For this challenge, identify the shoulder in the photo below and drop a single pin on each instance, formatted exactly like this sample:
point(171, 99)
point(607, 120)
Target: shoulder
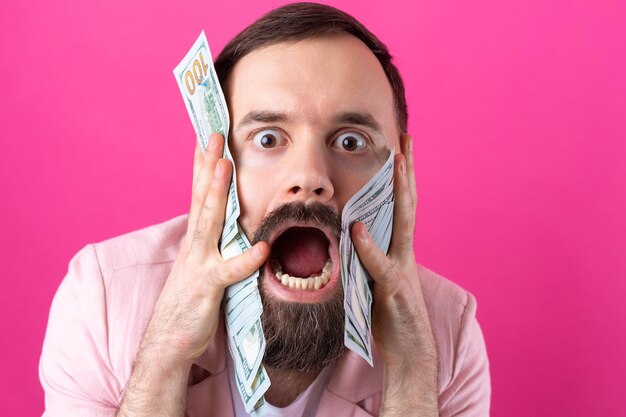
point(98, 316)
point(96, 267)
point(148, 246)
point(445, 300)
point(127, 272)
point(449, 308)
point(110, 291)
point(134, 268)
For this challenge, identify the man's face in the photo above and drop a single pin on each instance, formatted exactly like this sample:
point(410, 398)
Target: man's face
point(312, 122)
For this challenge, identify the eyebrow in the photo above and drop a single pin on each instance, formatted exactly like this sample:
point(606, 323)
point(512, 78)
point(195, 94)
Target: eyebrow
point(359, 119)
point(350, 117)
point(261, 117)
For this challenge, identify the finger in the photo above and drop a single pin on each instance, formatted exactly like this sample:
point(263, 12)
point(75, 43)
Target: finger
point(403, 212)
point(407, 150)
point(211, 218)
point(242, 266)
point(203, 181)
point(198, 157)
point(380, 267)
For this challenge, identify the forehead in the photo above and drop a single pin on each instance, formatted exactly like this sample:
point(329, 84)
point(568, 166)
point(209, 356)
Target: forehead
point(312, 79)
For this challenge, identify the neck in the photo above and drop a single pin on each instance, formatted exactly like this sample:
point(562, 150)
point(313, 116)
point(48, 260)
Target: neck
point(287, 385)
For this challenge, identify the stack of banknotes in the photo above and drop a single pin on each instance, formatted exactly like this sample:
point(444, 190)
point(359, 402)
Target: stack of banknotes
point(207, 109)
point(373, 205)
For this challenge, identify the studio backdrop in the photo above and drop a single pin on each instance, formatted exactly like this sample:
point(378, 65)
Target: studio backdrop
point(517, 110)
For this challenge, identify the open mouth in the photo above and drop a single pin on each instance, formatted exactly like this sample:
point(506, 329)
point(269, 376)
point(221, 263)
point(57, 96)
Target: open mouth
point(302, 258)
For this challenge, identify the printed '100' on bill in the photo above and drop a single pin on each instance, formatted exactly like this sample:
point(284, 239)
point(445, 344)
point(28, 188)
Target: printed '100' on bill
point(189, 74)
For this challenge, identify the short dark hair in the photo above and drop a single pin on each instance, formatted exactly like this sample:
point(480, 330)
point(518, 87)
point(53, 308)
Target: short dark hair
point(299, 21)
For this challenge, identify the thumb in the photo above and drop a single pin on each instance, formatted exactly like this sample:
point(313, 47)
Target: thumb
point(242, 266)
point(380, 267)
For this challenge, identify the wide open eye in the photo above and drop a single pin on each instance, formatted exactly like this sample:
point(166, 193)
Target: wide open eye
point(350, 142)
point(267, 138)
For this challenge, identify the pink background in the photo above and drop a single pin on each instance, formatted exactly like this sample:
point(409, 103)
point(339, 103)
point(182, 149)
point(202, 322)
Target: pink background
point(518, 112)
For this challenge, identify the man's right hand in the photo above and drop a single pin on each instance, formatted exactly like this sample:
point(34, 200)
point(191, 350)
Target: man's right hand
point(186, 315)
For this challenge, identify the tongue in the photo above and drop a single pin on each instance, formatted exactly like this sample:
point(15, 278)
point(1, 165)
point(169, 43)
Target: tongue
point(302, 252)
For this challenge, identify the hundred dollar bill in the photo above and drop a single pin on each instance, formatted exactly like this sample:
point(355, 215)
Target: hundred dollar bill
point(214, 104)
point(190, 73)
point(206, 105)
point(253, 397)
point(373, 205)
point(243, 310)
point(248, 351)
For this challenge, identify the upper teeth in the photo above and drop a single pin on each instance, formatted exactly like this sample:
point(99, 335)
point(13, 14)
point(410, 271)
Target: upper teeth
point(314, 282)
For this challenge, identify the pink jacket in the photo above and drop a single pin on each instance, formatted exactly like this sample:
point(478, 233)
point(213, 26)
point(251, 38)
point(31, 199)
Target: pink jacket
point(104, 304)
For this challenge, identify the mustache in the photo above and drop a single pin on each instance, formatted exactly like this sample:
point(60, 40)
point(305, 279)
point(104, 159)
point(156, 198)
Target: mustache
point(314, 213)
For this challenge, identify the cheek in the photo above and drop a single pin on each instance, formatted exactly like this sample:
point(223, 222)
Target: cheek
point(255, 190)
point(255, 185)
point(348, 181)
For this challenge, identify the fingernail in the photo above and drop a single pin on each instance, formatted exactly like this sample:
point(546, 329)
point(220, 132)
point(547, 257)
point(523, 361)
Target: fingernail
point(402, 167)
point(218, 169)
point(212, 143)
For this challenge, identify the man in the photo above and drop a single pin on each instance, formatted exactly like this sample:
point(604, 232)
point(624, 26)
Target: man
point(136, 328)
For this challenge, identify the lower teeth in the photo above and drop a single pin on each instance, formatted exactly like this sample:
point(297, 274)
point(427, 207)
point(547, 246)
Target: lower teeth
point(310, 284)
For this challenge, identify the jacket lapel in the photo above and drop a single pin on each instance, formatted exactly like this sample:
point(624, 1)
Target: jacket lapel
point(352, 381)
point(332, 405)
point(211, 397)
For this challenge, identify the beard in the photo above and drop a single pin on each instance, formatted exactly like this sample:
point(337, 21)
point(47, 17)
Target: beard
point(301, 337)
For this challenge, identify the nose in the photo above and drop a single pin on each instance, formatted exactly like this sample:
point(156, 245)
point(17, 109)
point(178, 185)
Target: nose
point(308, 175)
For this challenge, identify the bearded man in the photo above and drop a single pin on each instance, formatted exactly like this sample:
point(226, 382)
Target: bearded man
point(136, 327)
